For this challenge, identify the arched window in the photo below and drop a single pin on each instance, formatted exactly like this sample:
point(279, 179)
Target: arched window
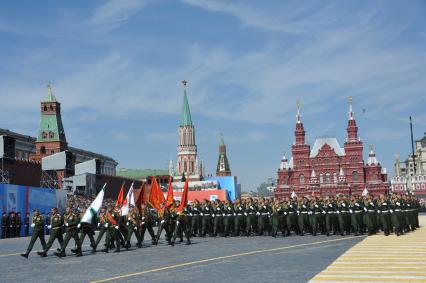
point(43, 150)
point(328, 178)
point(321, 178)
point(335, 177)
point(302, 179)
point(355, 176)
point(45, 108)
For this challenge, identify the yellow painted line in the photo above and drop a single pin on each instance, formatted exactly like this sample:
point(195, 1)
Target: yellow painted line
point(372, 279)
point(374, 272)
point(383, 260)
point(369, 267)
point(217, 258)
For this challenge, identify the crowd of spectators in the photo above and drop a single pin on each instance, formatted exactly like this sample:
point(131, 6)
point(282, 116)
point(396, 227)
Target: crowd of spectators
point(80, 202)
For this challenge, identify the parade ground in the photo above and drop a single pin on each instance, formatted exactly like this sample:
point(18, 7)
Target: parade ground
point(240, 259)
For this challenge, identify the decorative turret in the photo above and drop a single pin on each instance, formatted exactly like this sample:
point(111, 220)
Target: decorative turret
point(342, 177)
point(223, 168)
point(284, 163)
point(314, 178)
point(372, 160)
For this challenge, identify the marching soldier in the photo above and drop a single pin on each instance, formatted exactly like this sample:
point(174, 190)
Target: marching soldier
point(263, 217)
point(385, 215)
point(302, 213)
point(196, 218)
point(355, 210)
point(217, 215)
point(370, 212)
point(238, 218)
point(102, 226)
point(71, 222)
point(206, 218)
point(133, 220)
point(276, 217)
point(147, 223)
point(12, 225)
point(56, 232)
point(182, 226)
point(86, 229)
point(315, 212)
point(396, 214)
point(38, 232)
point(228, 219)
point(250, 213)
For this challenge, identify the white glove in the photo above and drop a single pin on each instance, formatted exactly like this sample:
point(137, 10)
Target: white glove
point(408, 205)
point(316, 205)
point(127, 223)
point(251, 207)
point(365, 209)
point(240, 208)
point(78, 226)
point(378, 211)
point(291, 205)
point(371, 203)
point(196, 209)
point(264, 206)
point(202, 214)
point(143, 223)
point(343, 204)
point(384, 203)
point(391, 211)
point(338, 212)
point(129, 218)
point(229, 208)
point(177, 222)
point(207, 208)
point(218, 209)
point(356, 204)
point(257, 213)
point(190, 214)
point(235, 214)
point(323, 212)
point(162, 221)
point(350, 210)
point(397, 203)
point(223, 214)
point(285, 213)
point(135, 228)
point(116, 227)
point(330, 205)
point(213, 215)
point(143, 218)
point(99, 224)
point(304, 206)
point(245, 213)
point(106, 225)
point(66, 224)
point(298, 211)
point(49, 226)
point(32, 225)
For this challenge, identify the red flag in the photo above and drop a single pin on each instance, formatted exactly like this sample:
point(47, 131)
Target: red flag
point(156, 197)
point(184, 200)
point(120, 198)
point(169, 200)
point(141, 198)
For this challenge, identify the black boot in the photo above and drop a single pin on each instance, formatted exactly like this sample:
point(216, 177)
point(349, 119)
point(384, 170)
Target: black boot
point(25, 255)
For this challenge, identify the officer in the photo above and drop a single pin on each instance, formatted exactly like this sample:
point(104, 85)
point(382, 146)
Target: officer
point(370, 212)
point(113, 219)
point(238, 217)
point(71, 222)
point(182, 226)
point(276, 217)
point(196, 218)
point(56, 231)
point(18, 220)
point(12, 225)
point(27, 224)
point(218, 215)
point(263, 214)
point(4, 225)
point(250, 213)
point(38, 232)
point(228, 219)
point(206, 216)
point(385, 215)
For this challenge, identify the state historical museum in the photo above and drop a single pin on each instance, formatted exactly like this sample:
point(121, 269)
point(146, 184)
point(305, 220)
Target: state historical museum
point(327, 168)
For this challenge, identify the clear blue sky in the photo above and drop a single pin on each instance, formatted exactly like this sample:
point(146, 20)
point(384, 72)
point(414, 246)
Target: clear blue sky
point(116, 67)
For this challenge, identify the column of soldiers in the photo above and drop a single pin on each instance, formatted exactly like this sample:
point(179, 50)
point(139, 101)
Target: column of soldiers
point(12, 224)
point(329, 215)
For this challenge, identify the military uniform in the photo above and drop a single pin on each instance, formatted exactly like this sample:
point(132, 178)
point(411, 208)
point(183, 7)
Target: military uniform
point(250, 212)
point(133, 220)
point(196, 219)
point(275, 218)
point(385, 215)
point(206, 215)
point(302, 215)
point(147, 223)
point(113, 230)
point(27, 225)
point(263, 214)
point(239, 219)
point(182, 226)
point(4, 225)
point(18, 221)
point(38, 232)
point(71, 222)
point(217, 215)
point(56, 233)
point(103, 227)
point(370, 216)
point(355, 210)
point(228, 219)
point(12, 225)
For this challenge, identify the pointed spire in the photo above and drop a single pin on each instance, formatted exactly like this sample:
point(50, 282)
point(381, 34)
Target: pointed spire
point(186, 114)
point(298, 115)
point(313, 174)
point(351, 113)
point(50, 96)
point(171, 167)
point(341, 173)
point(222, 140)
point(284, 163)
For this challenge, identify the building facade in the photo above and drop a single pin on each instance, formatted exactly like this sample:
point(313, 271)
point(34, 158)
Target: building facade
point(410, 174)
point(327, 168)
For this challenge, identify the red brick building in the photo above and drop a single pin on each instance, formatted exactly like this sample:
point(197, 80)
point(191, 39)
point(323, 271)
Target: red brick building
point(327, 168)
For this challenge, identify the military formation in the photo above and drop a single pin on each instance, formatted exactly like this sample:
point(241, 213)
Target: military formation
point(329, 215)
point(13, 225)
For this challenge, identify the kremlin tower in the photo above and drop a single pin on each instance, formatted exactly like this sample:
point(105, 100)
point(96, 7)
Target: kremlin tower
point(223, 168)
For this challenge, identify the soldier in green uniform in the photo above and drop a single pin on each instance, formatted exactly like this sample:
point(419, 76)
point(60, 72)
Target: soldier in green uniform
point(356, 210)
point(132, 224)
point(343, 217)
point(228, 219)
point(27, 224)
point(196, 218)
point(147, 222)
point(263, 214)
point(370, 212)
point(250, 212)
point(182, 226)
point(18, 224)
point(86, 229)
point(217, 215)
point(238, 218)
point(315, 213)
point(276, 217)
point(102, 226)
point(71, 222)
point(385, 215)
point(396, 214)
point(56, 231)
point(302, 214)
point(38, 232)
point(206, 215)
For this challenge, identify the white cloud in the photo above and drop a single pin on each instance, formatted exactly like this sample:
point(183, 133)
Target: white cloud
point(115, 13)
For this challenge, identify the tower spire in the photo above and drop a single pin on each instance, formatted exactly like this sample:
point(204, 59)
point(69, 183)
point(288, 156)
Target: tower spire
point(50, 96)
point(298, 115)
point(351, 113)
point(223, 168)
point(186, 113)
